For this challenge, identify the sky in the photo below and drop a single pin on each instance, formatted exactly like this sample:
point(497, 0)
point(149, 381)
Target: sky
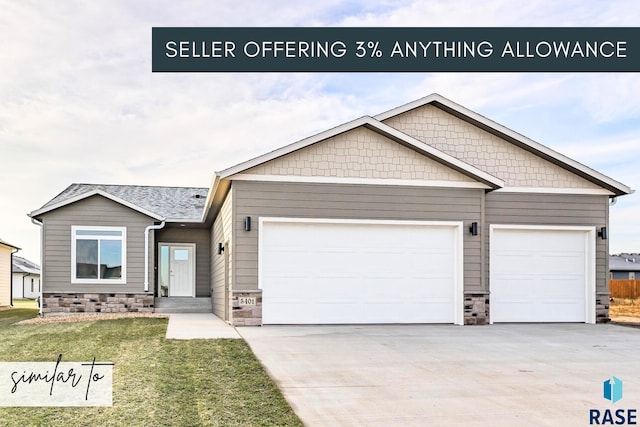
point(79, 103)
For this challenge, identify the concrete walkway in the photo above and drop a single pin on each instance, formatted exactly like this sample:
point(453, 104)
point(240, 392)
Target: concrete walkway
point(189, 326)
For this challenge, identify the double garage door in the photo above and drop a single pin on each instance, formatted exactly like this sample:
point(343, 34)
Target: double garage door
point(341, 271)
point(322, 272)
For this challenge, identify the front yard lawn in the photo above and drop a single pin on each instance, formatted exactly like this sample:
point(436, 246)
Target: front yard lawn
point(157, 382)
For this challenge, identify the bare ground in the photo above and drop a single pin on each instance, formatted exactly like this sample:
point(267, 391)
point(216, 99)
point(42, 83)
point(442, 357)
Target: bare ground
point(87, 317)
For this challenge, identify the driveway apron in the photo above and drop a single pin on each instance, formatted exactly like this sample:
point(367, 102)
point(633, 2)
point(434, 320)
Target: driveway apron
point(507, 374)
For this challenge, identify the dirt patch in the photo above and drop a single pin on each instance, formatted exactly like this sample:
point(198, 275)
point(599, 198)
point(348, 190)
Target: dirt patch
point(88, 317)
point(622, 310)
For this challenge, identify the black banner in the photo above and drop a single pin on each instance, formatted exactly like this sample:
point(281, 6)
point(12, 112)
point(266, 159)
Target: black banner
point(385, 49)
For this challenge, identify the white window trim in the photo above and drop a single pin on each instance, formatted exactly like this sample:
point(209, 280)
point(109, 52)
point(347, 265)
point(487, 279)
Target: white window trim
point(123, 239)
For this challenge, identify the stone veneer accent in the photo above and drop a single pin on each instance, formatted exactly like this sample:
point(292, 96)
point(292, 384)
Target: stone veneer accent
point(476, 309)
point(96, 303)
point(248, 315)
point(602, 308)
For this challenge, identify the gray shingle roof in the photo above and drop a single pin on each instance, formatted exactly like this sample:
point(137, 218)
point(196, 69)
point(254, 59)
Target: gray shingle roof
point(23, 265)
point(171, 203)
point(624, 262)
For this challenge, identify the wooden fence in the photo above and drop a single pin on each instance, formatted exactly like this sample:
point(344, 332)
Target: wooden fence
point(624, 288)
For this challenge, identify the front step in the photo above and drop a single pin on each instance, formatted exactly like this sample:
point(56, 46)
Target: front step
point(183, 305)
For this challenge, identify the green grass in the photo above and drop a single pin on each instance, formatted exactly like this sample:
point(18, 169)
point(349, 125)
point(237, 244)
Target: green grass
point(157, 382)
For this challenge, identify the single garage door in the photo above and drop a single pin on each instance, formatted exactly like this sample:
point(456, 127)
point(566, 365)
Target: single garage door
point(541, 274)
point(327, 271)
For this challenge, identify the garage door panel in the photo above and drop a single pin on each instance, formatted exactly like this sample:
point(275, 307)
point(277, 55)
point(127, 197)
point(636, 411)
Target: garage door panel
point(538, 275)
point(357, 273)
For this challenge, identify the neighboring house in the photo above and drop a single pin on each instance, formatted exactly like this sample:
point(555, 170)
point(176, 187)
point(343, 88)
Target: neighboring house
point(427, 213)
point(624, 266)
point(6, 254)
point(26, 278)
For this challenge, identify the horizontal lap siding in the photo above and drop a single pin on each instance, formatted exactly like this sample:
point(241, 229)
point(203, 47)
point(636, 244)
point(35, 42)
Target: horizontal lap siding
point(553, 209)
point(201, 238)
point(93, 211)
point(221, 233)
point(277, 199)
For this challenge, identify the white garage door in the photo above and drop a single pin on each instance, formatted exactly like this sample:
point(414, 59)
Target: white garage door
point(542, 274)
point(320, 272)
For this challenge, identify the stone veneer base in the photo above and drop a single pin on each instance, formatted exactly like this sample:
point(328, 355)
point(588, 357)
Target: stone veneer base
point(602, 308)
point(476, 309)
point(56, 303)
point(248, 315)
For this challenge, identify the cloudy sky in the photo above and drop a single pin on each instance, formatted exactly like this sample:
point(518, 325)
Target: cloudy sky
point(79, 103)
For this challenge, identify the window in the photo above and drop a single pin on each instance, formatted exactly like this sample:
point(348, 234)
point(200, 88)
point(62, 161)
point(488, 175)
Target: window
point(98, 254)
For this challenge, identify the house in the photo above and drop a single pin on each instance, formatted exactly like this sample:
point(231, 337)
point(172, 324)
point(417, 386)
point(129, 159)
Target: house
point(624, 266)
point(6, 254)
point(25, 278)
point(427, 213)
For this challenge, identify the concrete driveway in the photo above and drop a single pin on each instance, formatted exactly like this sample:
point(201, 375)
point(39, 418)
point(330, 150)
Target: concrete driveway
point(509, 374)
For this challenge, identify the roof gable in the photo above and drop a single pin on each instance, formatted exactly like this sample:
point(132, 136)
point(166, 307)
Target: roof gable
point(359, 153)
point(542, 157)
point(181, 204)
point(381, 129)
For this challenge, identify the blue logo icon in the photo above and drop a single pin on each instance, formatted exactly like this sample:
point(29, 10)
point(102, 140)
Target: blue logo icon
point(613, 389)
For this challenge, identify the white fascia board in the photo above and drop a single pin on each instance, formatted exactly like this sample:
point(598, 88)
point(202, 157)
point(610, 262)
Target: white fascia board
point(215, 182)
point(380, 128)
point(292, 147)
point(544, 190)
point(535, 146)
point(409, 106)
point(94, 193)
point(359, 181)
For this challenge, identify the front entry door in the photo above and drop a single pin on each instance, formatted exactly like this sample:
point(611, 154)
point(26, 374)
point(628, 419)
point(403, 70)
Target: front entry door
point(180, 269)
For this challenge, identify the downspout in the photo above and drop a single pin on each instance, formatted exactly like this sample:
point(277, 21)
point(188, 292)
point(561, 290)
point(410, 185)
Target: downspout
point(40, 299)
point(146, 252)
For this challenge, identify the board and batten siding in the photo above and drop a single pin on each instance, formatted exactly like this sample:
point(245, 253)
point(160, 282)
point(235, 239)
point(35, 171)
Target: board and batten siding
point(344, 201)
point(553, 209)
point(93, 211)
point(5, 275)
point(201, 237)
point(221, 232)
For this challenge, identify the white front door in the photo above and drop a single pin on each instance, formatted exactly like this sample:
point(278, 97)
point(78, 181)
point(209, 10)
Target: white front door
point(178, 269)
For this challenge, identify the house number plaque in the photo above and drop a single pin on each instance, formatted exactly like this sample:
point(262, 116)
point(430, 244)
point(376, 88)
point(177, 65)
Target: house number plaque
point(247, 300)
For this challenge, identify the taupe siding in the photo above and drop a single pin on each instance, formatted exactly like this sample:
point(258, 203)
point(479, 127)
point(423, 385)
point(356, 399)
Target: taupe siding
point(221, 232)
point(199, 236)
point(553, 209)
point(5, 276)
point(273, 199)
point(95, 211)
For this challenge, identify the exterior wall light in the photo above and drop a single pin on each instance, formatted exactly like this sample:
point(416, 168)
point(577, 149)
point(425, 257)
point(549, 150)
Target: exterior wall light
point(603, 233)
point(474, 229)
